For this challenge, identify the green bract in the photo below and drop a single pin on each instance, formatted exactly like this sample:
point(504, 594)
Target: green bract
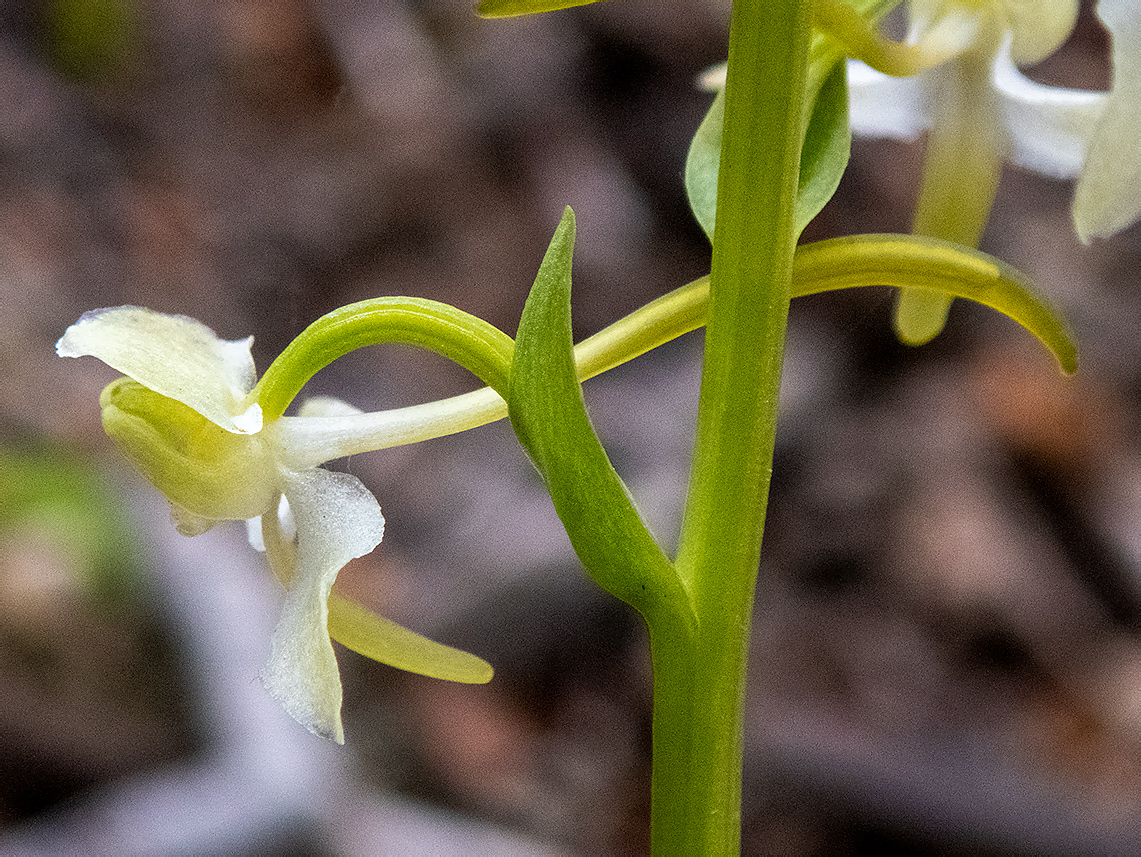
point(186, 418)
point(550, 419)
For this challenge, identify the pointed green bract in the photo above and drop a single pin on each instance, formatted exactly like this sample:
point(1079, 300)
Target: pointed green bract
point(510, 8)
point(549, 417)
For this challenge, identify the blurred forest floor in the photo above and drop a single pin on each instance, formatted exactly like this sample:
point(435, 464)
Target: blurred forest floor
point(946, 650)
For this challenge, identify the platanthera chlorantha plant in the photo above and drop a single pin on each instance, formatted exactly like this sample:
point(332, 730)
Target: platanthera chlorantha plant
point(195, 421)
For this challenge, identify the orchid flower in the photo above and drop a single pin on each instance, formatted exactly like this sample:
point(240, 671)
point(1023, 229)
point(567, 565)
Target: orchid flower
point(980, 112)
point(188, 418)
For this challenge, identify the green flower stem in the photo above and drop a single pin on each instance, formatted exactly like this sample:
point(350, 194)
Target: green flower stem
point(469, 341)
point(699, 677)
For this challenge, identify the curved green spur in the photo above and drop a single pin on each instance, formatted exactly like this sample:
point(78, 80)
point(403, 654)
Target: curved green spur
point(912, 260)
point(471, 342)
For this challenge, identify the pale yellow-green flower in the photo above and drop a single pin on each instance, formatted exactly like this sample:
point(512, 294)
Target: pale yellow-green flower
point(186, 419)
point(1108, 194)
point(981, 112)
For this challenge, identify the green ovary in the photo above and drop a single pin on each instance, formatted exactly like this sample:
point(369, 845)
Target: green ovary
point(199, 466)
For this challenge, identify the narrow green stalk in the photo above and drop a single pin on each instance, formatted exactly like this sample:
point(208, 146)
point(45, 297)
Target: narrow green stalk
point(699, 681)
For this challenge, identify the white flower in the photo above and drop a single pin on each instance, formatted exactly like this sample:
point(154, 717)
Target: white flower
point(1063, 133)
point(982, 112)
point(1043, 128)
point(1108, 195)
point(185, 418)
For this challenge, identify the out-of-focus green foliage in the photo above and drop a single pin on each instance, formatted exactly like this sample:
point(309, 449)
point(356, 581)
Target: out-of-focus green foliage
point(92, 39)
point(54, 495)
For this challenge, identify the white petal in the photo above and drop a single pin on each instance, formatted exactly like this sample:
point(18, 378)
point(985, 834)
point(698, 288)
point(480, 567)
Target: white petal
point(883, 106)
point(1108, 195)
point(337, 520)
point(1048, 128)
point(176, 356)
point(1039, 26)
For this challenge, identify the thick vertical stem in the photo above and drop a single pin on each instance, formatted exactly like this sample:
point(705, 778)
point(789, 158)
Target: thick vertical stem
point(699, 675)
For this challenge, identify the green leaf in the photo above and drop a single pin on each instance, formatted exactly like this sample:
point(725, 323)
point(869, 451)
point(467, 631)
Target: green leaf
point(827, 144)
point(703, 164)
point(827, 137)
point(550, 419)
point(510, 8)
point(823, 159)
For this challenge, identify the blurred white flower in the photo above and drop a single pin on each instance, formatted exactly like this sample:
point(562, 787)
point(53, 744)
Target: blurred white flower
point(1064, 133)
